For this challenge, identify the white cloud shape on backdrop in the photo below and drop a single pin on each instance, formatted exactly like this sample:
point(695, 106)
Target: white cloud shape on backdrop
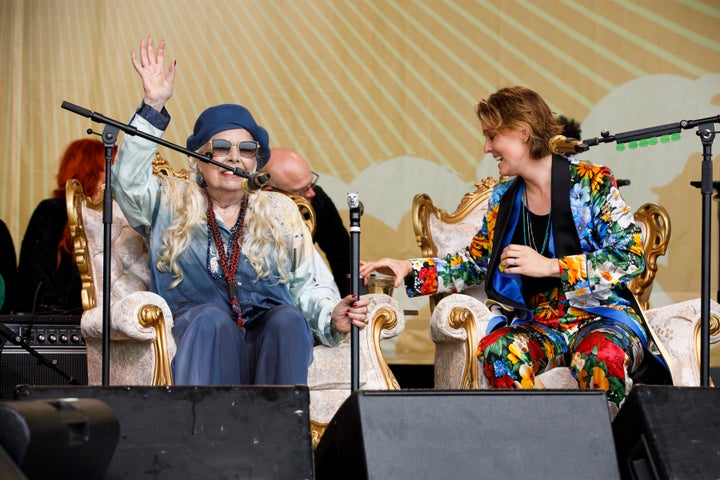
point(651, 101)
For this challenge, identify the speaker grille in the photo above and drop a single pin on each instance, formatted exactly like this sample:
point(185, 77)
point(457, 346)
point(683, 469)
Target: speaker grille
point(17, 366)
point(468, 434)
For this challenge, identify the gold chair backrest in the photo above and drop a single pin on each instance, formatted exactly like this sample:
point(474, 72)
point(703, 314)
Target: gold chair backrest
point(306, 211)
point(75, 199)
point(160, 166)
point(654, 221)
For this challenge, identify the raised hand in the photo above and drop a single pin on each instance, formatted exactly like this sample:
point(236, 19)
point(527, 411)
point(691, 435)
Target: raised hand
point(157, 83)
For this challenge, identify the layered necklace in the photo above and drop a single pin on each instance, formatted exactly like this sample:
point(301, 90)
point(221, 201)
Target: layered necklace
point(528, 235)
point(229, 261)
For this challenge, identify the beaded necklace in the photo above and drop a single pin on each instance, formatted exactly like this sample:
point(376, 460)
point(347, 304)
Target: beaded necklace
point(527, 226)
point(229, 266)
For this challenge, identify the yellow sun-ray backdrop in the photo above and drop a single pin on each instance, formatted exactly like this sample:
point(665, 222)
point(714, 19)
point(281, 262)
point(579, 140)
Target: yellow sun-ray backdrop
point(377, 95)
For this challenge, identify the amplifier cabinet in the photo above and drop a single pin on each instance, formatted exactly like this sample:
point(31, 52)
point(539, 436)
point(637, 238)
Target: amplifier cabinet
point(55, 344)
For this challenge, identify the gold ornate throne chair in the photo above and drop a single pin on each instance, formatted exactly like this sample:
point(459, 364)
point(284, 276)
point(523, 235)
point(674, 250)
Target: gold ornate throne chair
point(458, 321)
point(142, 344)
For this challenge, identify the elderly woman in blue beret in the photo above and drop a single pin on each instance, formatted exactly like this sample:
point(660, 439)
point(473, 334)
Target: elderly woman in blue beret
point(238, 269)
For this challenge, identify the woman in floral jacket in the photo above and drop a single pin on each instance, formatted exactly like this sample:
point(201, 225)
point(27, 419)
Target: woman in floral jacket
point(555, 250)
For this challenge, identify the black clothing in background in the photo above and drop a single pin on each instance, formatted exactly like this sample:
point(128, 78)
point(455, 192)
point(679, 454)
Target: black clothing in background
point(57, 287)
point(333, 239)
point(8, 267)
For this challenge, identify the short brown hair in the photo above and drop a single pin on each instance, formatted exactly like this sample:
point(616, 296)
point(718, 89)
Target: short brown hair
point(513, 108)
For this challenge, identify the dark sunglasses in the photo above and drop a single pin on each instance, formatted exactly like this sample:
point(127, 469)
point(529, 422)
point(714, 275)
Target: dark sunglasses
point(221, 148)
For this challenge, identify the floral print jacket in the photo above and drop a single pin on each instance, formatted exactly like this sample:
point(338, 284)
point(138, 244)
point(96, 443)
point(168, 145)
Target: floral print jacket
point(593, 235)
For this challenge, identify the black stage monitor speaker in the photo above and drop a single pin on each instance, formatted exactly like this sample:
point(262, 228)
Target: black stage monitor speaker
point(469, 434)
point(59, 438)
point(56, 339)
point(218, 432)
point(669, 433)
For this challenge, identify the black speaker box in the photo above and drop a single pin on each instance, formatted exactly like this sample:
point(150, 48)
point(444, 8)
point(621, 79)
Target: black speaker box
point(669, 433)
point(58, 342)
point(429, 434)
point(203, 432)
point(74, 436)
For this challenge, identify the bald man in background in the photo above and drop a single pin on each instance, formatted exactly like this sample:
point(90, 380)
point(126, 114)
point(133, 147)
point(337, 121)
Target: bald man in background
point(291, 174)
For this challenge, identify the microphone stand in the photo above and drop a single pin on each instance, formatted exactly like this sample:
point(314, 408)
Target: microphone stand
point(356, 210)
point(109, 136)
point(706, 133)
point(716, 186)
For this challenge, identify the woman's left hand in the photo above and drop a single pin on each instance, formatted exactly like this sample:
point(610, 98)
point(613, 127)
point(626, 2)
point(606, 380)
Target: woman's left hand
point(150, 65)
point(524, 260)
point(350, 311)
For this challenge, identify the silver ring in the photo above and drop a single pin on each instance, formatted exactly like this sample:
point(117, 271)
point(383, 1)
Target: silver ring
point(515, 262)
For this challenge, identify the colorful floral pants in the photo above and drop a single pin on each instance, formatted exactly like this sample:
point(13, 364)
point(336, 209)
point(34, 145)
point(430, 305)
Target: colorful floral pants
point(601, 353)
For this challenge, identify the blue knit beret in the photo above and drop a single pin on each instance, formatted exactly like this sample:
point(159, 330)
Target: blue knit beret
point(229, 117)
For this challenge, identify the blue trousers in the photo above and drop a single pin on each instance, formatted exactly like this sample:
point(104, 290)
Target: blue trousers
point(274, 349)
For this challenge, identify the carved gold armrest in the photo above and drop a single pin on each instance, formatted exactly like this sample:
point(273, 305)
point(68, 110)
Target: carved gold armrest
point(139, 317)
point(385, 320)
point(456, 326)
point(151, 316)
